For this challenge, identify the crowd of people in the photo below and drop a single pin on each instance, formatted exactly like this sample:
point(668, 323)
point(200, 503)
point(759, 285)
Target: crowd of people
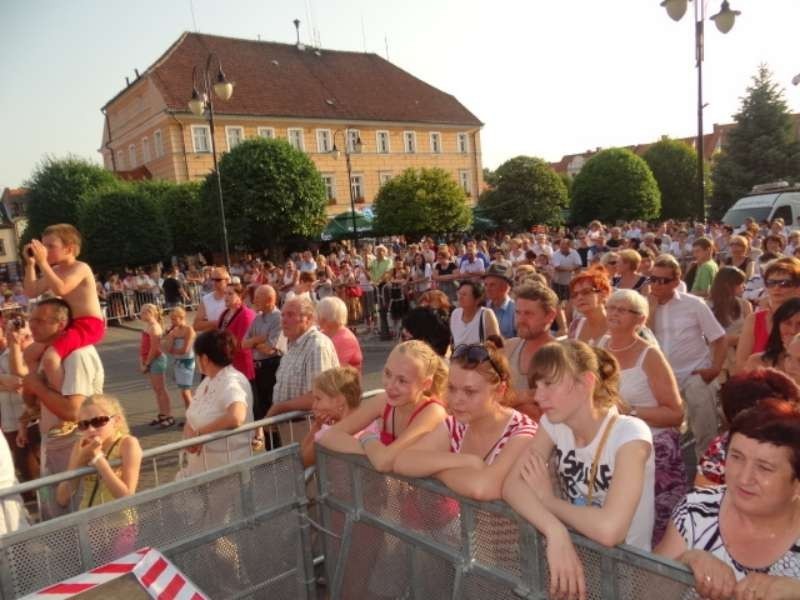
point(568, 372)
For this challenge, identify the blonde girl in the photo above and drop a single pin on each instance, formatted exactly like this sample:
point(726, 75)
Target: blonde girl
point(604, 461)
point(178, 343)
point(104, 437)
point(410, 406)
point(473, 450)
point(153, 363)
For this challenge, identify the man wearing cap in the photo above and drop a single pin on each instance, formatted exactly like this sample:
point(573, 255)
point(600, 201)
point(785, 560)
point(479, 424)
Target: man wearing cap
point(498, 281)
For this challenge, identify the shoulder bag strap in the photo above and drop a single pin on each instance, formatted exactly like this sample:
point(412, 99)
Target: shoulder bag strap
point(596, 460)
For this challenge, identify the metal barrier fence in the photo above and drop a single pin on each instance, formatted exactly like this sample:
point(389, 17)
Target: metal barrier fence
point(389, 536)
point(127, 305)
point(236, 531)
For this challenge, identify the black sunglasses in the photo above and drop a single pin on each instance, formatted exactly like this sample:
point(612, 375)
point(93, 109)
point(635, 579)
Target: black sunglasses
point(782, 283)
point(475, 354)
point(660, 280)
point(96, 422)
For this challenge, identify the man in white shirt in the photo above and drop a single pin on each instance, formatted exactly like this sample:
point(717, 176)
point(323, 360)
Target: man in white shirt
point(542, 246)
point(694, 344)
point(566, 262)
point(472, 267)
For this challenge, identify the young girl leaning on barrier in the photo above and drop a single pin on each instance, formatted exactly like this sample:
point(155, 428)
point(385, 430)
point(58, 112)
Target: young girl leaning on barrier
point(603, 460)
point(409, 407)
point(473, 450)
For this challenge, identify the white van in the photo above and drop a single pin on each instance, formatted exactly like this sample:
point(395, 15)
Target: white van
point(767, 202)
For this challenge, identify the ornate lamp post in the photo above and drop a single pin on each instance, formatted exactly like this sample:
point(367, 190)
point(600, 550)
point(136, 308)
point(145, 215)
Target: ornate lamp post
point(357, 145)
point(202, 101)
point(724, 21)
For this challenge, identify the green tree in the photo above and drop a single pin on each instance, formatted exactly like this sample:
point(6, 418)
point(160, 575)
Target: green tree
point(272, 192)
point(527, 192)
point(184, 214)
point(615, 184)
point(59, 190)
point(760, 148)
point(126, 227)
point(674, 165)
point(489, 177)
point(421, 201)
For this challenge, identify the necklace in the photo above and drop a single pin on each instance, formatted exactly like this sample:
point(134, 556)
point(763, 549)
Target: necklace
point(628, 347)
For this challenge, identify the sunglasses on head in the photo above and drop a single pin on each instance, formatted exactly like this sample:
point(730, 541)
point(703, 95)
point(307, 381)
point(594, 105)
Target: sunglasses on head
point(96, 422)
point(781, 283)
point(475, 354)
point(660, 280)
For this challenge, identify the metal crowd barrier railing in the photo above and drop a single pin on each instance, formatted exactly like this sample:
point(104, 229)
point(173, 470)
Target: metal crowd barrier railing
point(127, 305)
point(237, 531)
point(389, 536)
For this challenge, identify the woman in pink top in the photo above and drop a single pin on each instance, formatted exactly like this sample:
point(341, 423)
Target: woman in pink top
point(476, 446)
point(332, 321)
point(237, 318)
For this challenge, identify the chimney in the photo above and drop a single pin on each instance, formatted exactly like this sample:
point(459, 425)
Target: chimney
point(300, 46)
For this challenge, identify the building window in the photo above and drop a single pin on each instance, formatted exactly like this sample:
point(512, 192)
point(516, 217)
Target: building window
point(323, 140)
point(120, 160)
point(2, 247)
point(234, 135)
point(267, 132)
point(201, 138)
point(158, 144)
point(436, 142)
point(410, 141)
point(352, 137)
point(463, 143)
point(384, 177)
point(330, 188)
point(145, 150)
point(132, 154)
point(382, 142)
point(464, 180)
point(295, 136)
point(357, 187)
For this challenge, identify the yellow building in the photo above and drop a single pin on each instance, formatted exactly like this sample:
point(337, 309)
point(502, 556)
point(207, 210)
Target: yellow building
point(313, 98)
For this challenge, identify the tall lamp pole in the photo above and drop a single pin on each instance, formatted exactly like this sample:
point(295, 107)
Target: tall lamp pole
point(357, 145)
point(724, 21)
point(202, 100)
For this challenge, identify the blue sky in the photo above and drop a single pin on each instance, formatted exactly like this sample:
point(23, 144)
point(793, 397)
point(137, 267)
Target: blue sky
point(547, 77)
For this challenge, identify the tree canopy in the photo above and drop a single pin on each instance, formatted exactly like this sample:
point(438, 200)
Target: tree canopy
point(615, 184)
point(526, 192)
point(674, 165)
point(421, 201)
point(760, 148)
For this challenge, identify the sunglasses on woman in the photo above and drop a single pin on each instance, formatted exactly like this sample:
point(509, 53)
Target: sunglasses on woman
point(475, 354)
point(781, 283)
point(96, 422)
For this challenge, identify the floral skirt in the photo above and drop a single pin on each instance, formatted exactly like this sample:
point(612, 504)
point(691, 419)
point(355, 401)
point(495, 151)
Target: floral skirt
point(671, 485)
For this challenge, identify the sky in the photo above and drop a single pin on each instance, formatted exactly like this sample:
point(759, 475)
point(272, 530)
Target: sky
point(546, 77)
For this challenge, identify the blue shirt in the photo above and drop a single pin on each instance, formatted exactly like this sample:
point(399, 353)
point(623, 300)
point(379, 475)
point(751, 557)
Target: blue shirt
point(506, 318)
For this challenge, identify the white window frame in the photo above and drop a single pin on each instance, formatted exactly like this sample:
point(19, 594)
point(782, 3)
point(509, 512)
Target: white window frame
point(228, 130)
point(360, 186)
point(324, 141)
point(301, 139)
point(436, 147)
point(352, 136)
point(207, 135)
point(378, 146)
point(329, 179)
point(132, 155)
point(462, 148)
point(145, 150)
point(465, 181)
point(384, 177)
point(267, 132)
point(158, 143)
point(413, 148)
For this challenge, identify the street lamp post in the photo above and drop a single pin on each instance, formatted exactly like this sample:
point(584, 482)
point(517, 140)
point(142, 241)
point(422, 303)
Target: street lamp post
point(357, 145)
point(202, 100)
point(724, 21)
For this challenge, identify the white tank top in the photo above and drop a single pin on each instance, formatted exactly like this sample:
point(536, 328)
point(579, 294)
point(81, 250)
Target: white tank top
point(214, 308)
point(634, 386)
point(466, 333)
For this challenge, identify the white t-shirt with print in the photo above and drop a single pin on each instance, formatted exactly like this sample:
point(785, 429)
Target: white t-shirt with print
point(574, 465)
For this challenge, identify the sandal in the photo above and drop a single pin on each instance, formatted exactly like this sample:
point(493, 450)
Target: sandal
point(158, 420)
point(167, 421)
point(257, 443)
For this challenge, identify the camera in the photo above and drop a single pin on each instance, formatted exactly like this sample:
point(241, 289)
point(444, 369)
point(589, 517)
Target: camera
point(18, 322)
point(29, 251)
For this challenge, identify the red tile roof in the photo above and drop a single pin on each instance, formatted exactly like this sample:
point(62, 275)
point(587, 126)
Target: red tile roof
point(279, 80)
point(10, 193)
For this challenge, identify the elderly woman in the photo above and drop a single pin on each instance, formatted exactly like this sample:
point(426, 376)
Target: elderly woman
point(739, 247)
point(223, 400)
point(588, 292)
point(648, 387)
point(740, 540)
point(332, 321)
point(628, 276)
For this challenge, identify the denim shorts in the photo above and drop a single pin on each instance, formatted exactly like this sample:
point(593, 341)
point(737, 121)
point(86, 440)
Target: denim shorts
point(158, 365)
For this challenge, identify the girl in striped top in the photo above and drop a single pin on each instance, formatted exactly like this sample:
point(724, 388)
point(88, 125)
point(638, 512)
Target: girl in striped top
point(473, 450)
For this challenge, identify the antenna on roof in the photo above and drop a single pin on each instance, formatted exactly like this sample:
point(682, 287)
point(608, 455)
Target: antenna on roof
point(127, 82)
point(300, 46)
point(386, 43)
point(191, 9)
point(137, 73)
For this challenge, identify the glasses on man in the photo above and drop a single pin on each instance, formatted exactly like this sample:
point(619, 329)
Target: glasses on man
point(475, 354)
point(618, 309)
point(781, 283)
point(584, 293)
point(660, 280)
point(96, 422)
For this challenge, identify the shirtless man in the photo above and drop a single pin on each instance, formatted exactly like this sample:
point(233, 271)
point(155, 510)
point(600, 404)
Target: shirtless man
point(536, 308)
point(72, 280)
